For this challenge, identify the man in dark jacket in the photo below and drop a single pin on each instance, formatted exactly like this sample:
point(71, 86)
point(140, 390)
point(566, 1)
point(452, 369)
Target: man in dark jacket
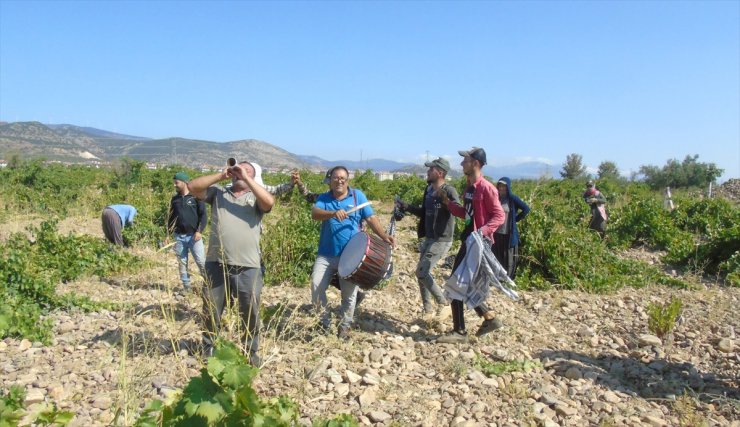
point(506, 240)
point(187, 221)
point(438, 226)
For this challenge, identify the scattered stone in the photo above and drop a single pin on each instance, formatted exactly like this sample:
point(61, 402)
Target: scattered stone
point(573, 373)
point(368, 397)
point(102, 402)
point(725, 345)
point(647, 340)
point(379, 416)
point(351, 377)
point(34, 395)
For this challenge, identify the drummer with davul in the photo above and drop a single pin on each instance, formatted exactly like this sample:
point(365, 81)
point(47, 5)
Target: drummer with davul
point(337, 228)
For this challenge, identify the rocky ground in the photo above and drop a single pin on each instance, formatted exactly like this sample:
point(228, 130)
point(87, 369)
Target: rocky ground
point(573, 359)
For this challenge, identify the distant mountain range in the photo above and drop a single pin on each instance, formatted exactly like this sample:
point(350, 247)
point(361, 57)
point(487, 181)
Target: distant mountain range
point(374, 164)
point(76, 144)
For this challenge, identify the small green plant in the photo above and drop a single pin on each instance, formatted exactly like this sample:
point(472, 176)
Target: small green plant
point(11, 406)
point(688, 415)
point(456, 368)
point(12, 411)
point(662, 317)
point(498, 368)
point(221, 396)
point(341, 420)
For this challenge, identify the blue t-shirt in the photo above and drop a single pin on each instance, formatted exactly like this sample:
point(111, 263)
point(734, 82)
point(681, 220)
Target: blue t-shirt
point(336, 234)
point(126, 212)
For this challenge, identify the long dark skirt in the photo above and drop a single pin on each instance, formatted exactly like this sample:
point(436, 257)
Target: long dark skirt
point(507, 256)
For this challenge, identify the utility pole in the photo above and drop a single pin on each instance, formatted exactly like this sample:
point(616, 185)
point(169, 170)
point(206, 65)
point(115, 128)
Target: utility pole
point(427, 156)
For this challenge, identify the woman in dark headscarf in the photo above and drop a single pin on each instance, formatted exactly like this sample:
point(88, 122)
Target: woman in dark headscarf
point(506, 239)
point(596, 202)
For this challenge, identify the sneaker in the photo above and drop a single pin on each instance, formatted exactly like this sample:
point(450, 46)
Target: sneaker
point(343, 333)
point(489, 326)
point(453, 337)
point(359, 298)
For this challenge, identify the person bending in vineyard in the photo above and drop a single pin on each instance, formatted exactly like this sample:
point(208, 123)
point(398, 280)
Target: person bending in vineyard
point(437, 226)
point(233, 257)
point(337, 228)
point(114, 218)
point(506, 243)
point(596, 200)
point(187, 220)
point(482, 211)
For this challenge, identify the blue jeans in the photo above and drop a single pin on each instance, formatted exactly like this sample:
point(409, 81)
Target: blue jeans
point(184, 244)
point(323, 269)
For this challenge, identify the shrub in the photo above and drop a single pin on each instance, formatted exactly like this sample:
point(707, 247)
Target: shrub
point(662, 317)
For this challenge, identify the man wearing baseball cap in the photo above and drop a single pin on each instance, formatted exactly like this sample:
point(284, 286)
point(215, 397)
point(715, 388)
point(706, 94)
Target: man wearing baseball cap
point(436, 226)
point(482, 212)
point(186, 221)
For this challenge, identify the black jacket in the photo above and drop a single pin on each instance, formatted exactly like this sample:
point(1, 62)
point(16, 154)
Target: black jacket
point(436, 221)
point(187, 215)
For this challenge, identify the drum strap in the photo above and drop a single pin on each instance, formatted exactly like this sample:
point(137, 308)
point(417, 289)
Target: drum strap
point(354, 196)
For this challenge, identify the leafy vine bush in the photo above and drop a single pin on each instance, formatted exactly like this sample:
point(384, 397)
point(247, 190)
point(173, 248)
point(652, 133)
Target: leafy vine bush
point(223, 396)
point(30, 269)
point(702, 234)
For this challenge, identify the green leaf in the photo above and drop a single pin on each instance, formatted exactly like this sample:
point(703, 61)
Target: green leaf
point(248, 400)
point(237, 376)
point(212, 411)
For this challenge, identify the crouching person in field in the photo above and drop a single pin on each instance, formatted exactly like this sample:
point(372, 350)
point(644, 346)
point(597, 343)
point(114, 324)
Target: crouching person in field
point(233, 257)
point(114, 218)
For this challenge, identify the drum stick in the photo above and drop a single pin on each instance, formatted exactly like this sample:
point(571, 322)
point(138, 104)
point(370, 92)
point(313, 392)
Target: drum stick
point(360, 206)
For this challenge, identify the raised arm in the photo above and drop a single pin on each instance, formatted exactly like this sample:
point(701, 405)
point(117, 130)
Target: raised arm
point(198, 186)
point(265, 201)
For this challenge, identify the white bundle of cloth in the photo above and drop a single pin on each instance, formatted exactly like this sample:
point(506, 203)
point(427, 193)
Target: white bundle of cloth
point(477, 273)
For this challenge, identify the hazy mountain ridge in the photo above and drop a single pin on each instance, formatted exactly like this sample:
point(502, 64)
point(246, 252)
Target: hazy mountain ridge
point(75, 144)
point(71, 143)
point(374, 164)
point(94, 132)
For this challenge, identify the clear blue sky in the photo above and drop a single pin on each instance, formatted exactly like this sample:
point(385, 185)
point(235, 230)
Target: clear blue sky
point(634, 82)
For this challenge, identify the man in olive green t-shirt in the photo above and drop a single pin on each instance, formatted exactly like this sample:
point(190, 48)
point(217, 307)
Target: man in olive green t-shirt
point(233, 257)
